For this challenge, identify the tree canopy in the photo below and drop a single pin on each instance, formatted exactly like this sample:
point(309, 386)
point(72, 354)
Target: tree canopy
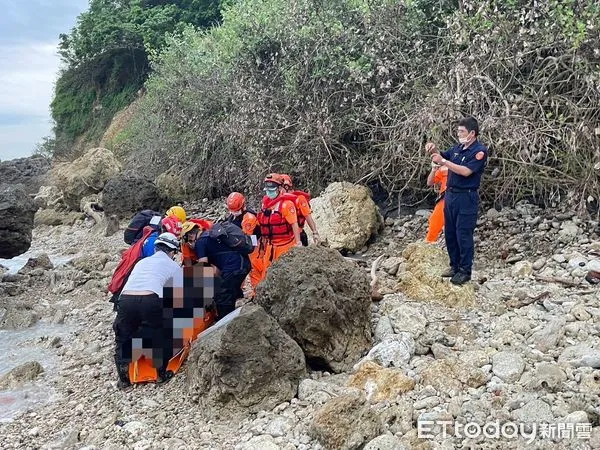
point(132, 24)
point(107, 56)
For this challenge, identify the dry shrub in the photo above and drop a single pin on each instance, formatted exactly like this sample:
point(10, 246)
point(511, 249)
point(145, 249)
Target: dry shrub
point(422, 279)
point(352, 89)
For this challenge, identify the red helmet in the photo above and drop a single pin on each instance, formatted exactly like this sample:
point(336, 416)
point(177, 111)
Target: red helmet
point(171, 224)
point(273, 179)
point(287, 181)
point(235, 201)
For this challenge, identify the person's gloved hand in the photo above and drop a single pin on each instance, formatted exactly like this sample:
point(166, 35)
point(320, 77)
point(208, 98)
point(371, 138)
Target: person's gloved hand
point(316, 238)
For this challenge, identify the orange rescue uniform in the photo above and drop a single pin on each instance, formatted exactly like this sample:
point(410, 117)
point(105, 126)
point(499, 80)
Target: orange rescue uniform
point(276, 234)
point(302, 207)
point(436, 220)
point(249, 224)
point(188, 255)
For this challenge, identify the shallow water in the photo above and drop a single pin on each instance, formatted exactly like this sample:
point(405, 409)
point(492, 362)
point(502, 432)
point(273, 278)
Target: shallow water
point(15, 264)
point(19, 347)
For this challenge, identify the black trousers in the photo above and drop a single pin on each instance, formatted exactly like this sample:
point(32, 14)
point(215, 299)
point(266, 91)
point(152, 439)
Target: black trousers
point(304, 238)
point(460, 220)
point(229, 289)
point(141, 317)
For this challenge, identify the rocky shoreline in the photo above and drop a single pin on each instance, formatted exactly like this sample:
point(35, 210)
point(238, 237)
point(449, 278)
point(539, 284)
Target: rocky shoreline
point(525, 349)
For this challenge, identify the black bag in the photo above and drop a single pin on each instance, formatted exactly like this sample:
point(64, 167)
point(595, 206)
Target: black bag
point(135, 229)
point(232, 236)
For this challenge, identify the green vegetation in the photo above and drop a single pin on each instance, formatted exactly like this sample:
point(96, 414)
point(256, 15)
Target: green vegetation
point(107, 60)
point(89, 95)
point(339, 90)
point(352, 89)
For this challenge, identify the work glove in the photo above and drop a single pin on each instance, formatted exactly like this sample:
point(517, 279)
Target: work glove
point(316, 238)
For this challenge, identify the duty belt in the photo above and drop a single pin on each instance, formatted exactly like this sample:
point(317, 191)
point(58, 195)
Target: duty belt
point(459, 190)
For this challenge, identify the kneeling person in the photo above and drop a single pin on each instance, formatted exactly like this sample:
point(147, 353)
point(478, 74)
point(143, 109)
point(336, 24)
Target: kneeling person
point(140, 310)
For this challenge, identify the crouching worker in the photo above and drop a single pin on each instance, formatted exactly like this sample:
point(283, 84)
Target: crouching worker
point(139, 321)
point(143, 248)
point(217, 248)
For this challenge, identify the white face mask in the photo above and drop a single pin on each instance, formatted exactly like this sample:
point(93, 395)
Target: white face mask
point(464, 140)
point(236, 213)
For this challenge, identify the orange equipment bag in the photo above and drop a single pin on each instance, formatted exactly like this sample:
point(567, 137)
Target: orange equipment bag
point(143, 371)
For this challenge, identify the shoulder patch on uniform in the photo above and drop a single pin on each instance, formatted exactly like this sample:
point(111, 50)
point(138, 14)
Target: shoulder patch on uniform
point(479, 156)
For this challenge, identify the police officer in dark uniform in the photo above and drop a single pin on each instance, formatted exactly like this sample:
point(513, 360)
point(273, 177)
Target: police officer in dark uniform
point(465, 162)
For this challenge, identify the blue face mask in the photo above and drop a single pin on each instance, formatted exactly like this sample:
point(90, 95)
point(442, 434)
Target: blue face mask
point(272, 193)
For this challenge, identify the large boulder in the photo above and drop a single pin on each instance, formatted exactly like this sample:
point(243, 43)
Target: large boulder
point(86, 175)
point(30, 172)
point(323, 302)
point(346, 216)
point(128, 193)
point(53, 217)
point(171, 186)
point(244, 364)
point(49, 197)
point(16, 220)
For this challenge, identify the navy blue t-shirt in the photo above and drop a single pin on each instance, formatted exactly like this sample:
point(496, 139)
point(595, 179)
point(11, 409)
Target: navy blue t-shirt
point(221, 255)
point(474, 157)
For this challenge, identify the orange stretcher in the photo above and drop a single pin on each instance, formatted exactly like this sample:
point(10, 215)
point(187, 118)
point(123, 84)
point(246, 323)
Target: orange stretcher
point(143, 370)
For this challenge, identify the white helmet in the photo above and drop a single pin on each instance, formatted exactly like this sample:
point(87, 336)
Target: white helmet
point(168, 239)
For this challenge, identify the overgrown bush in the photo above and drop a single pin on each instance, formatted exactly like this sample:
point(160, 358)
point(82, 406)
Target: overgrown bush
point(352, 90)
point(88, 96)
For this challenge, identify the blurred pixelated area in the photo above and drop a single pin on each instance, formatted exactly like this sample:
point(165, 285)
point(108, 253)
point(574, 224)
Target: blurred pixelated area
point(185, 310)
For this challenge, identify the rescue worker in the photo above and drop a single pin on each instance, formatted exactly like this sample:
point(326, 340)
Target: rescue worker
point(148, 217)
point(302, 210)
point(169, 224)
point(188, 256)
point(232, 266)
point(438, 177)
point(245, 218)
point(236, 205)
point(278, 221)
point(466, 162)
point(177, 211)
point(140, 309)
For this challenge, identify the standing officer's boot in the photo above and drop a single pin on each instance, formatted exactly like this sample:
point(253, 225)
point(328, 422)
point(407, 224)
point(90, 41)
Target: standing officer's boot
point(449, 272)
point(460, 278)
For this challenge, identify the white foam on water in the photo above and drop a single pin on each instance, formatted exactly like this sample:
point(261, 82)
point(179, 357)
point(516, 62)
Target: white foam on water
point(19, 347)
point(15, 264)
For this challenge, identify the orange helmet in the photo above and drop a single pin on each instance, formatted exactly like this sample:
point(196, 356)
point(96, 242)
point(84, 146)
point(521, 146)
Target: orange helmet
point(287, 181)
point(235, 201)
point(171, 224)
point(273, 179)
